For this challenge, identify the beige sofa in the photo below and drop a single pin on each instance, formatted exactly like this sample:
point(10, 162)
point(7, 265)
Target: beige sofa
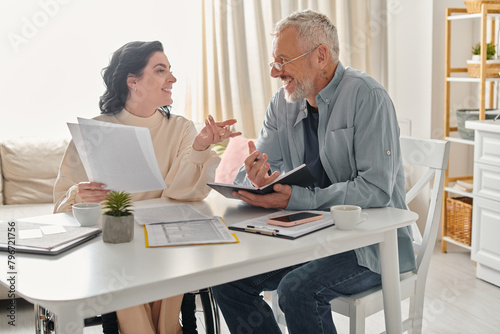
point(28, 170)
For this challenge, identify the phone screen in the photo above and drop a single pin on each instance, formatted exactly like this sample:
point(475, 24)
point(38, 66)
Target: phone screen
point(295, 217)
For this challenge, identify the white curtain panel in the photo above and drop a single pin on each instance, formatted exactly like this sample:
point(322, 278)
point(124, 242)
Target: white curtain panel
point(232, 73)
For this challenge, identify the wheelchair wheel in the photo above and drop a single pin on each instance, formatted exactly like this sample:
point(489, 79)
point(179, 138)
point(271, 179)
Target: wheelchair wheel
point(199, 310)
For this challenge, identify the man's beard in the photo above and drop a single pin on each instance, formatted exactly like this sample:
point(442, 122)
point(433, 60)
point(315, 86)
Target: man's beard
point(302, 90)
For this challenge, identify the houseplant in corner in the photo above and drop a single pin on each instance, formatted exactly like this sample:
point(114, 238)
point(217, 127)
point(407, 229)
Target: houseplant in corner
point(492, 65)
point(118, 218)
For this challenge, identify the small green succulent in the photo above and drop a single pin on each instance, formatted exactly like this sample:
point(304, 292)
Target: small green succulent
point(490, 50)
point(118, 204)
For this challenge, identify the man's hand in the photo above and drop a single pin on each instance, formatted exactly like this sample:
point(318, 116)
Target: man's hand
point(92, 192)
point(277, 200)
point(257, 168)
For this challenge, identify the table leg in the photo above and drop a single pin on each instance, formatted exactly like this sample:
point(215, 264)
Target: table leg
point(389, 261)
point(68, 322)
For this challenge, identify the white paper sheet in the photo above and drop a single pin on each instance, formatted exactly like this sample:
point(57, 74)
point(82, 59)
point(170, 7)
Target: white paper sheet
point(52, 229)
point(209, 231)
point(30, 234)
point(167, 213)
point(120, 156)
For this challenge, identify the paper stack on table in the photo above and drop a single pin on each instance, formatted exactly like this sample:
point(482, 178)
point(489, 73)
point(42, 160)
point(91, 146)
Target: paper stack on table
point(120, 156)
point(181, 224)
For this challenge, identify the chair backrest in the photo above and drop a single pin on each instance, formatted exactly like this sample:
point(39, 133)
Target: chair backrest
point(432, 154)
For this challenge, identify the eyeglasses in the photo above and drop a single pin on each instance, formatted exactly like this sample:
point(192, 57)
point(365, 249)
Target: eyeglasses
point(279, 66)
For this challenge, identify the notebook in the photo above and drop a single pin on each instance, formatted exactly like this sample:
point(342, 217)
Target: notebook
point(300, 176)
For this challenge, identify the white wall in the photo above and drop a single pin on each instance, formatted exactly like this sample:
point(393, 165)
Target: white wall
point(410, 62)
point(52, 53)
point(410, 75)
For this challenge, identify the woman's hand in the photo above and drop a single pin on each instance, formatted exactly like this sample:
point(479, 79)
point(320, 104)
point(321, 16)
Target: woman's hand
point(213, 133)
point(92, 192)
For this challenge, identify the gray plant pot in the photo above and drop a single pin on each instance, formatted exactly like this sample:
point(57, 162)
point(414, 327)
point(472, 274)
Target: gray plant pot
point(464, 115)
point(117, 230)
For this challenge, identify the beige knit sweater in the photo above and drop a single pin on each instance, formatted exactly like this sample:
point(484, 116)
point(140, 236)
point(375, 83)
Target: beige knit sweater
point(186, 171)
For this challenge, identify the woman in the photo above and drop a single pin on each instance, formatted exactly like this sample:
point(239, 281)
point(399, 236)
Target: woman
point(138, 92)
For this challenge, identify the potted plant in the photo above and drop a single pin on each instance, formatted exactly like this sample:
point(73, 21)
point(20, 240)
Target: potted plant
point(492, 65)
point(490, 51)
point(118, 218)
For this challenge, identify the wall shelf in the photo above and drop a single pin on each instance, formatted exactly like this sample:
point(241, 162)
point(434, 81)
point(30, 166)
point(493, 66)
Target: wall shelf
point(460, 140)
point(470, 16)
point(467, 79)
point(458, 192)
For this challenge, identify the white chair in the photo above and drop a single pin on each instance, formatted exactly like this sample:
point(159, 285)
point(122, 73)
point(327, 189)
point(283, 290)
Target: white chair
point(432, 154)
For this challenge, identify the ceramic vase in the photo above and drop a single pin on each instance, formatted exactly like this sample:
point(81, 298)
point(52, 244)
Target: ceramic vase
point(476, 57)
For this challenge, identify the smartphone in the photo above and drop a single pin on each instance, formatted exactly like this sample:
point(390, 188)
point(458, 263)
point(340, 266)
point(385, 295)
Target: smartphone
point(294, 219)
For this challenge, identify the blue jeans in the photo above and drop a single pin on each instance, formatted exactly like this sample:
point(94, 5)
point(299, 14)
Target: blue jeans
point(304, 292)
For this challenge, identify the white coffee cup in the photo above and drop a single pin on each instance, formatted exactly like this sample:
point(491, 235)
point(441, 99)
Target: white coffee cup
point(87, 214)
point(347, 217)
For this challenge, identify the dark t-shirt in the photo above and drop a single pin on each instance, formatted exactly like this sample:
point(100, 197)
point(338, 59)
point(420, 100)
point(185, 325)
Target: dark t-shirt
point(311, 158)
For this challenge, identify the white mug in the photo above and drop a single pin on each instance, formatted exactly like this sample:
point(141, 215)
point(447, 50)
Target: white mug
point(87, 214)
point(347, 217)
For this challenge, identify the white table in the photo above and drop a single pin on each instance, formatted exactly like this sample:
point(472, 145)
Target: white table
point(97, 277)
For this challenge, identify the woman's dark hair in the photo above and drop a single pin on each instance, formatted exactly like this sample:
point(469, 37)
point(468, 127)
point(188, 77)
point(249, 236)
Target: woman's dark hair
point(131, 58)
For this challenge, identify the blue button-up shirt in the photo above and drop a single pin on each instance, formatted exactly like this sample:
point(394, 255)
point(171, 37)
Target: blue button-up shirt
point(358, 137)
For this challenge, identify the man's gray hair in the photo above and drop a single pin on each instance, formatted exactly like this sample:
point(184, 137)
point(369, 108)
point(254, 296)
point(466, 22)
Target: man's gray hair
point(313, 29)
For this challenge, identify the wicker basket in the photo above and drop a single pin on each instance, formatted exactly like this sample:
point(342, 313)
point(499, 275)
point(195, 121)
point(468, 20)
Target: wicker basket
point(492, 69)
point(475, 6)
point(459, 219)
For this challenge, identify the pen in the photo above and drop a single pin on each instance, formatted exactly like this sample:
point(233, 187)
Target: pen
point(261, 229)
point(268, 171)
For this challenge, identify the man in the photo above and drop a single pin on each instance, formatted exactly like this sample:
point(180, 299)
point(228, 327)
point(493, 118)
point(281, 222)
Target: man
point(342, 124)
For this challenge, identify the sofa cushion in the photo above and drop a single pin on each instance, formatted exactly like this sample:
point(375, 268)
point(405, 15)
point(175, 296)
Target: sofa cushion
point(29, 168)
point(232, 159)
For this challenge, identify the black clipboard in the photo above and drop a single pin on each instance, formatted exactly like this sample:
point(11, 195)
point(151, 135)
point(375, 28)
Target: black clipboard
point(276, 233)
point(258, 226)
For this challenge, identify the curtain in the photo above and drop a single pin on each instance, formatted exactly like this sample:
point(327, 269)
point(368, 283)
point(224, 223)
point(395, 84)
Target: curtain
point(232, 73)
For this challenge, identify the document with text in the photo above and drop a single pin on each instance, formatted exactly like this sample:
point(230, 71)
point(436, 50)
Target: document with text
point(120, 156)
point(212, 230)
point(174, 224)
point(167, 213)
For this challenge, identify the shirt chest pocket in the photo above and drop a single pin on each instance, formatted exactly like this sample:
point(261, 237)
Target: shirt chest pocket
point(339, 150)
